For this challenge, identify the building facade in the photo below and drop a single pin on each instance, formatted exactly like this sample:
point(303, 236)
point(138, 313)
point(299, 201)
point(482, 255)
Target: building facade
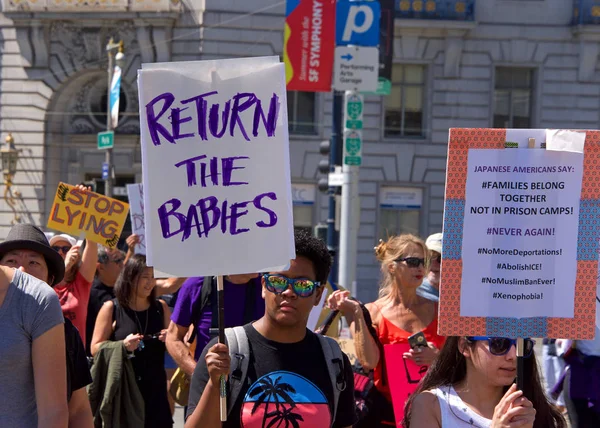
point(457, 63)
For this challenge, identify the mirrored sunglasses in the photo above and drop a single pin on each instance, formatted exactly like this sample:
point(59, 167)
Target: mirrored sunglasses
point(501, 345)
point(301, 286)
point(413, 262)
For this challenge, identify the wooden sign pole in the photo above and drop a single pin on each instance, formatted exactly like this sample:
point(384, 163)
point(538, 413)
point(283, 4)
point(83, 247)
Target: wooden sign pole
point(221, 318)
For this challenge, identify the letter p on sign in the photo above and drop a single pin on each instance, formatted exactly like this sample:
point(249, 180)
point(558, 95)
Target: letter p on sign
point(357, 23)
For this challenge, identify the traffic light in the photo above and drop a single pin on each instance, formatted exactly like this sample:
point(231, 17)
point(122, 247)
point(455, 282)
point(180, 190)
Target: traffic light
point(324, 165)
point(320, 232)
point(91, 183)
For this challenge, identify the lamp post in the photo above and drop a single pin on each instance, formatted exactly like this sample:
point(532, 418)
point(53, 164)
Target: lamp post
point(9, 156)
point(112, 59)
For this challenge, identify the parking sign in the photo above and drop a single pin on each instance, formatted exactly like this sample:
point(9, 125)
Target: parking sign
point(357, 23)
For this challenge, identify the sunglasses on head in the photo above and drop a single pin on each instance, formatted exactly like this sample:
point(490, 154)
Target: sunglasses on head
point(413, 262)
point(301, 286)
point(64, 249)
point(501, 345)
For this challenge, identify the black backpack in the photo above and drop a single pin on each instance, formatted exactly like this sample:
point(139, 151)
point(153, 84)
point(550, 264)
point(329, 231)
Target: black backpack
point(371, 406)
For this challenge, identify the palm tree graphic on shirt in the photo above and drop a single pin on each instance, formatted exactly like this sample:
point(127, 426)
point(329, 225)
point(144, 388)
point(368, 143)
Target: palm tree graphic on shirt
point(284, 399)
point(286, 416)
point(272, 390)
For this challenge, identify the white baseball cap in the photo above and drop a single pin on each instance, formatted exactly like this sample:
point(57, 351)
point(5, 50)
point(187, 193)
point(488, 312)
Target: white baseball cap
point(63, 237)
point(434, 242)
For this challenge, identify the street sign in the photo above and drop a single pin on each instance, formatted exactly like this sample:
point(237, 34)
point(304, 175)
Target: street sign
point(356, 68)
point(119, 191)
point(357, 23)
point(104, 171)
point(353, 110)
point(335, 179)
point(352, 147)
point(106, 140)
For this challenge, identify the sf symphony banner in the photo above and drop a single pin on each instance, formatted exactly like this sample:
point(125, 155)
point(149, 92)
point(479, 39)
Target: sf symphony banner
point(309, 44)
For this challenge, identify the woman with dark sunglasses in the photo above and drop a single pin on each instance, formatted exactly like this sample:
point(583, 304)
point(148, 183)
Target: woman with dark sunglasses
point(398, 314)
point(472, 384)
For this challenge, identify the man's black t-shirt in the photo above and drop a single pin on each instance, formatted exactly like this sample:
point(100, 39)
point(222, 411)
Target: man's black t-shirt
point(78, 372)
point(99, 294)
point(287, 383)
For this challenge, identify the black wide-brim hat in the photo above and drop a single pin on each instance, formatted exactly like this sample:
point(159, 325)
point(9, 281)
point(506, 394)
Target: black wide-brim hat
point(29, 237)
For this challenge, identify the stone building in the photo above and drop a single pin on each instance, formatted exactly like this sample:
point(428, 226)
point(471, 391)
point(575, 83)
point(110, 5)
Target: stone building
point(457, 63)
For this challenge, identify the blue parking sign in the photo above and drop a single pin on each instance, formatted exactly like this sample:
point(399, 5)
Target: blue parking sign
point(357, 23)
point(105, 171)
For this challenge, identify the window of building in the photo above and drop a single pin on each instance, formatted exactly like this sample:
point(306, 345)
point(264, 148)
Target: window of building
point(404, 106)
point(399, 211)
point(301, 112)
point(513, 91)
point(303, 197)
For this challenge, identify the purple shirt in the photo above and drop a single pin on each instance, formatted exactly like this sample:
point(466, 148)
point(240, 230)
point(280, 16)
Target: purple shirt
point(235, 298)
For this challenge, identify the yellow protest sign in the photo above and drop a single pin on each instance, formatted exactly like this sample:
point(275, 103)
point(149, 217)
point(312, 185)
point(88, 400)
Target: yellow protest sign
point(99, 218)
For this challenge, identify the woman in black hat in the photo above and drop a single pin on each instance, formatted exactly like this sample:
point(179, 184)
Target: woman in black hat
point(33, 384)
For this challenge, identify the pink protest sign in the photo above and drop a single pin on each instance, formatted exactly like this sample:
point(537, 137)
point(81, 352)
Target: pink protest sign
point(403, 376)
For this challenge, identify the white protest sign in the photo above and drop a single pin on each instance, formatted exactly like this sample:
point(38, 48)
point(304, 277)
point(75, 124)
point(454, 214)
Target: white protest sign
point(216, 168)
point(519, 251)
point(135, 194)
point(315, 313)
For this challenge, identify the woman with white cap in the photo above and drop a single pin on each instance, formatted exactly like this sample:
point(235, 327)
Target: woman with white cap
point(80, 269)
point(34, 385)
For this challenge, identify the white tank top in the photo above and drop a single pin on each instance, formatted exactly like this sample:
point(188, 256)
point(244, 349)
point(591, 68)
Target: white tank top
point(455, 413)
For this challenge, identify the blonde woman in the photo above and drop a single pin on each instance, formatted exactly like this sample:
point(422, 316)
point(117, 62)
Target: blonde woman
point(398, 313)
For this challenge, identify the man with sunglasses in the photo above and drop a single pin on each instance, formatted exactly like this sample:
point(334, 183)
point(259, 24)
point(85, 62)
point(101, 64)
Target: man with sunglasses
point(108, 268)
point(430, 289)
point(288, 380)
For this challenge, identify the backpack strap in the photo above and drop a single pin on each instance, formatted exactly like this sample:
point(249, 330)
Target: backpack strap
point(239, 352)
point(199, 306)
point(334, 360)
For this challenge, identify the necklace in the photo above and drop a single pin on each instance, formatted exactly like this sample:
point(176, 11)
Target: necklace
point(139, 324)
point(462, 412)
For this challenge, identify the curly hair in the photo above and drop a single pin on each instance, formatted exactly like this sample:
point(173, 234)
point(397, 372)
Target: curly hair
point(316, 251)
point(393, 249)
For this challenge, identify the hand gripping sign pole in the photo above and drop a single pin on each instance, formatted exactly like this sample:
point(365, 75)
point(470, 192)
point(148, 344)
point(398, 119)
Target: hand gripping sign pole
point(520, 364)
point(222, 380)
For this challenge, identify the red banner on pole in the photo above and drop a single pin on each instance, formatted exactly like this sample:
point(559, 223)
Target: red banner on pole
point(309, 44)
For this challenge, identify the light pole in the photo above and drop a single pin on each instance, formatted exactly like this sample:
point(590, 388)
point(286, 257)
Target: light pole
point(118, 59)
point(9, 155)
